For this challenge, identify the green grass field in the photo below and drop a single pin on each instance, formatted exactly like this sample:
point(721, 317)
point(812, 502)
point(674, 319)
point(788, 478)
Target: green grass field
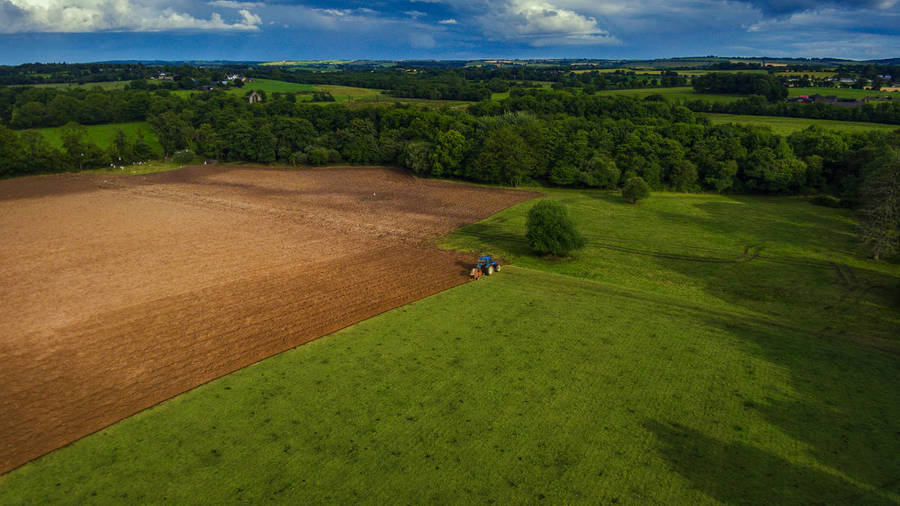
point(786, 126)
point(679, 94)
point(103, 135)
point(841, 93)
point(272, 86)
point(700, 349)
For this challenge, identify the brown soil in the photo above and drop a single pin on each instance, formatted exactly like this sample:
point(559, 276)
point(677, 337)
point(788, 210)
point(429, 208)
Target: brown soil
point(118, 292)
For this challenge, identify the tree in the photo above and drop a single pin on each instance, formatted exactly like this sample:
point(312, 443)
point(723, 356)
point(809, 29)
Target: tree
point(601, 172)
point(549, 229)
point(635, 189)
point(11, 153)
point(505, 158)
point(447, 153)
point(415, 158)
point(879, 223)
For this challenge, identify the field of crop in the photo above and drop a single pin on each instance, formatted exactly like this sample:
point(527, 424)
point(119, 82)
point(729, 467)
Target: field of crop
point(841, 92)
point(120, 292)
point(683, 93)
point(103, 135)
point(785, 126)
point(701, 349)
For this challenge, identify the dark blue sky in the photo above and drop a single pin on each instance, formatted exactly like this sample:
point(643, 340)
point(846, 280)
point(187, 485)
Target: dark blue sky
point(93, 30)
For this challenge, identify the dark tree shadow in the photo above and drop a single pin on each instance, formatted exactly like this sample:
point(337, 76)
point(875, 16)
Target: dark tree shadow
point(737, 473)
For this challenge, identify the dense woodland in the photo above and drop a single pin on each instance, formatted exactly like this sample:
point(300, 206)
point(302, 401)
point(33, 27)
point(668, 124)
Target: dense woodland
point(770, 87)
point(546, 136)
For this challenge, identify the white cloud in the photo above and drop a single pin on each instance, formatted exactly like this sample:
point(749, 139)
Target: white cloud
point(231, 4)
point(71, 16)
point(450, 21)
point(540, 23)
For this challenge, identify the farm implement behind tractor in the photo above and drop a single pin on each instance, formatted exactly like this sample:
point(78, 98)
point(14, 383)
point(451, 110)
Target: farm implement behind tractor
point(485, 267)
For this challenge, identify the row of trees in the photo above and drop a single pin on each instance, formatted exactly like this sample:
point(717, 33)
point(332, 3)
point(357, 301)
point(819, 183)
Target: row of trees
point(875, 112)
point(556, 137)
point(29, 152)
point(770, 87)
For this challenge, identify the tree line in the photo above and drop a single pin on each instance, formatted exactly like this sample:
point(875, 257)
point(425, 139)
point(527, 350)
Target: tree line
point(770, 87)
point(551, 137)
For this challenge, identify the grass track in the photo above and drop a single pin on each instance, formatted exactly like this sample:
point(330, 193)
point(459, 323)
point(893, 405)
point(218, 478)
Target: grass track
point(786, 126)
point(665, 363)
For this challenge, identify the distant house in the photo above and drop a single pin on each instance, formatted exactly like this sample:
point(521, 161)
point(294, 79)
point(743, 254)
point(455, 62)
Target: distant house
point(254, 97)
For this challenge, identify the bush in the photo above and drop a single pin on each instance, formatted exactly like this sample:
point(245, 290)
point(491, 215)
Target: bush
point(635, 189)
point(549, 229)
point(319, 156)
point(298, 158)
point(183, 157)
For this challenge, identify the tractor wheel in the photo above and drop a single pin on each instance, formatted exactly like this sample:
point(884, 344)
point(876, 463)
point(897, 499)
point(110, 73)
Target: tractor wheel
point(497, 268)
point(490, 270)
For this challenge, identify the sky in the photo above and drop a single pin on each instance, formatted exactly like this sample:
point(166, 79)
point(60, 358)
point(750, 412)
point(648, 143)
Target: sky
point(100, 30)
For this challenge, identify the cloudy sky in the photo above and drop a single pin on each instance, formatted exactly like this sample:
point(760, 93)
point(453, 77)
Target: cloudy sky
point(95, 30)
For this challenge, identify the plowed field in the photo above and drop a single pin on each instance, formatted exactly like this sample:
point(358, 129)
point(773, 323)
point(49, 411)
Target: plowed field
point(118, 292)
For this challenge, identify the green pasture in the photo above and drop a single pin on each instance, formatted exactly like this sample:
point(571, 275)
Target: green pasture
point(272, 86)
point(786, 126)
point(680, 94)
point(103, 135)
point(841, 93)
point(701, 349)
point(350, 93)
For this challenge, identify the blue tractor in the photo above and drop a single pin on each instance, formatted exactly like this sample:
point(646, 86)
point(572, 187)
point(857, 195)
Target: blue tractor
point(486, 266)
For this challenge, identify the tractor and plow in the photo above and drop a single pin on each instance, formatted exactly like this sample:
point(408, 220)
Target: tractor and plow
point(486, 266)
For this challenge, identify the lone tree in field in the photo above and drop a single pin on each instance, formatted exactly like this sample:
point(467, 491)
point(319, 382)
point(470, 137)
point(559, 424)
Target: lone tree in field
point(879, 220)
point(549, 229)
point(635, 189)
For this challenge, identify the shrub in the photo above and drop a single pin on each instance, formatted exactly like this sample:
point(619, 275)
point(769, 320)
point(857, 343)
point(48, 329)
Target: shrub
point(298, 158)
point(635, 189)
point(319, 156)
point(549, 229)
point(183, 157)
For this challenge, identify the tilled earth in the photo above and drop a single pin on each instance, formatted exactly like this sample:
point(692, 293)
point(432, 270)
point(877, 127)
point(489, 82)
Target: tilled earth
point(118, 292)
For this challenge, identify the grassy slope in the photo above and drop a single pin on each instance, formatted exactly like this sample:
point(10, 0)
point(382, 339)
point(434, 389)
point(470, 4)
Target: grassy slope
point(786, 126)
point(103, 135)
point(639, 371)
point(683, 93)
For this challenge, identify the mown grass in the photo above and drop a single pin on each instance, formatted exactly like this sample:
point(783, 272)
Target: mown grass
point(785, 126)
point(662, 364)
point(149, 167)
point(272, 86)
point(103, 135)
